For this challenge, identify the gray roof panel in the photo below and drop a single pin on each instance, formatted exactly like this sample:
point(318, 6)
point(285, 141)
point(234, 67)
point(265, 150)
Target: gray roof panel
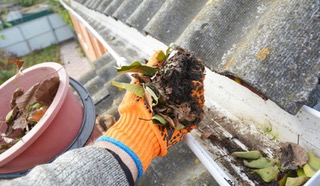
point(143, 14)
point(172, 18)
point(272, 46)
point(276, 51)
point(126, 9)
point(102, 7)
point(113, 6)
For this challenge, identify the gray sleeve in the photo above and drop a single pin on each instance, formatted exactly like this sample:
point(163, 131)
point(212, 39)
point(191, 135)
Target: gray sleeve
point(84, 166)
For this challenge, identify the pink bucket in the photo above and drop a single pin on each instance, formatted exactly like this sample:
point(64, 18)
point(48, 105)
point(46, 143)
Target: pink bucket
point(55, 131)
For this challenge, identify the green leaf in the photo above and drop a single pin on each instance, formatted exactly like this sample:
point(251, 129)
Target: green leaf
point(313, 161)
point(253, 155)
point(136, 89)
point(300, 172)
point(297, 181)
point(9, 116)
point(179, 127)
point(154, 96)
point(139, 68)
point(268, 174)
point(261, 163)
point(8, 24)
point(308, 170)
point(169, 49)
point(161, 56)
point(157, 119)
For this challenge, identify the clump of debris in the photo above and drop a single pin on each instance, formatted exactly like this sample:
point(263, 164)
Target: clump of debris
point(173, 88)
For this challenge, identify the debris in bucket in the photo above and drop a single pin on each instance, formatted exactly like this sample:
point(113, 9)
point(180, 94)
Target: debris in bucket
point(294, 167)
point(173, 89)
point(26, 109)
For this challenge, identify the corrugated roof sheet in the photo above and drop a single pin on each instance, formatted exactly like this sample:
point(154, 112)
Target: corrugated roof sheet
point(272, 46)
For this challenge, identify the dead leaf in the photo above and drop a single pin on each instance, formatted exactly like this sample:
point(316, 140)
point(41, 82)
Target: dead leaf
point(17, 93)
point(18, 62)
point(205, 135)
point(141, 78)
point(20, 122)
point(47, 91)
point(168, 119)
point(25, 99)
point(37, 114)
point(12, 114)
point(293, 156)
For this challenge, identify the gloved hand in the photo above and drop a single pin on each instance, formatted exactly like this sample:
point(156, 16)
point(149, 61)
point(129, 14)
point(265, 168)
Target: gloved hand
point(135, 132)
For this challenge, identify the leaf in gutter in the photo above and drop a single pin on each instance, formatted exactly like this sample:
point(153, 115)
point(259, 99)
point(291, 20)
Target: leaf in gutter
point(154, 96)
point(293, 156)
point(158, 119)
point(136, 89)
point(313, 161)
point(248, 154)
point(139, 68)
point(261, 163)
point(268, 174)
point(308, 170)
point(297, 181)
point(161, 56)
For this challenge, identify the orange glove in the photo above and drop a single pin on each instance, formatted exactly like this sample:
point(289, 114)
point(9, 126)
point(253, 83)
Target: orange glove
point(135, 132)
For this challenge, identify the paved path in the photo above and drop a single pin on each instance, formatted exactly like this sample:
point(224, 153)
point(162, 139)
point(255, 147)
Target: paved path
point(75, 64)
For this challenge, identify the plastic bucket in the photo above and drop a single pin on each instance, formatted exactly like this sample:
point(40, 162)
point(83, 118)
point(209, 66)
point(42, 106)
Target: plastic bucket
point(67, 124)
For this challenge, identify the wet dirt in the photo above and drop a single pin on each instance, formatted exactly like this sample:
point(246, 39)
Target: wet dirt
point(179, 86)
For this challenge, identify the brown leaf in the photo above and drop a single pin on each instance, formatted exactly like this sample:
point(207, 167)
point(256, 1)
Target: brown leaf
point(205, 135)
point(37, 114)
point(17, 62)
point(26, 98)
point(293, 156)
point(17, 93)
point(141, 78)
point(148, 98)
point(20, 122)
point(168, 119)
point(47, 91)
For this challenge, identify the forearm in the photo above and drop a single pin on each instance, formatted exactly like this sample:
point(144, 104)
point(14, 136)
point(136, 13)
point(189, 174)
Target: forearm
point(122, 154)
point(84, 166)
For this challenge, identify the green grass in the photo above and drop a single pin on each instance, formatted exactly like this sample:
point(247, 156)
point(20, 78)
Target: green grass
point(50, 54)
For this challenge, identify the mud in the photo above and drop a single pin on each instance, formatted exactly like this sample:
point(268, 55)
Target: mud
point(179, 86)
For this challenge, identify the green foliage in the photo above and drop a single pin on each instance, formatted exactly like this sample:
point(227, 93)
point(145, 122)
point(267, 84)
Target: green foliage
point(63, 13)
point(25, 3)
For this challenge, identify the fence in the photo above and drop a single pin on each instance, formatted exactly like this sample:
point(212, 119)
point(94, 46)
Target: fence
point(34, 32)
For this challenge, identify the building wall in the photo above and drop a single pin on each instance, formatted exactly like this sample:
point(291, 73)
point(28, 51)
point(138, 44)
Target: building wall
point(90, 45)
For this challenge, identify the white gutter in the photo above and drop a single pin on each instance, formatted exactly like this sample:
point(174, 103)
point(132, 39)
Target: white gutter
point(238, 100)
point(215, 170)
